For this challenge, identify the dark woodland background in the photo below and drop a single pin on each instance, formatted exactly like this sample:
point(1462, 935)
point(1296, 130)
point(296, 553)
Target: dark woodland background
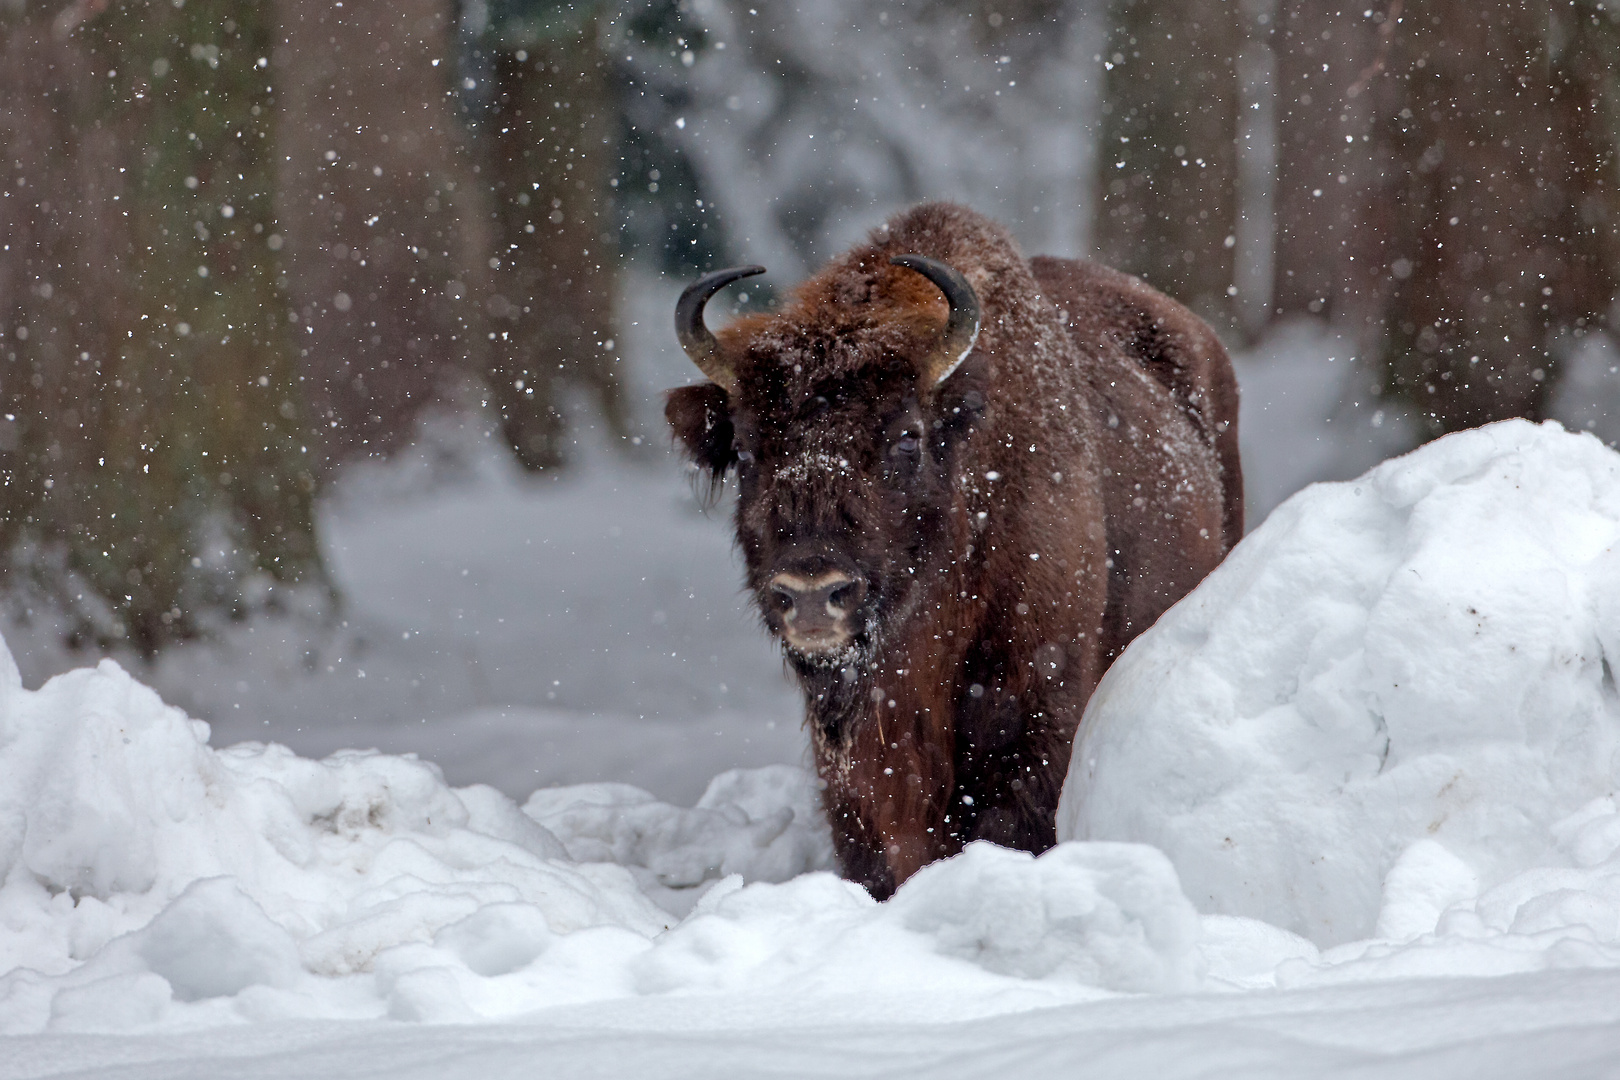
point(243, 244)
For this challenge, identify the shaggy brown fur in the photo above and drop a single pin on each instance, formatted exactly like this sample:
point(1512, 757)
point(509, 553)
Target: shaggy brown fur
point(1014, 527)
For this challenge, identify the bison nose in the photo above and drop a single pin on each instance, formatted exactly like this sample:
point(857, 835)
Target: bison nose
point(816, 605)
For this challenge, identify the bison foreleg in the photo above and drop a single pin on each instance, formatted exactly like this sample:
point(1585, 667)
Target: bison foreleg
point(887, 790)
point(1009, 773)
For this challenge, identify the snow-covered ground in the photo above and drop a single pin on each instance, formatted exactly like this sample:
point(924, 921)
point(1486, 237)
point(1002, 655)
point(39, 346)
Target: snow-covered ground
point(1349, 809)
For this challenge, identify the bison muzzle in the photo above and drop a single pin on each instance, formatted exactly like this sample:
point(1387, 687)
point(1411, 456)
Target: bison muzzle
point(966, 481)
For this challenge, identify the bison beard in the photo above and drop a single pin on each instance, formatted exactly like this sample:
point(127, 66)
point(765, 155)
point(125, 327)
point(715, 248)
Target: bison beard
point(953, 555)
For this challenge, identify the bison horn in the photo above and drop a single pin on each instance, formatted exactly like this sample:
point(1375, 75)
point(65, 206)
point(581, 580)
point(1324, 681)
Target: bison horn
point(963, 328)
point(695, 337)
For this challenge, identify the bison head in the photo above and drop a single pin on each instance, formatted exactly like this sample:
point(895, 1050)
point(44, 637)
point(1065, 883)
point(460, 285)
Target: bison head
point(838, 419)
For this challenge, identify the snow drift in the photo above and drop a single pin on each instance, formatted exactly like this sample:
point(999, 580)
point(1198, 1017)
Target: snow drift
point(149, 881)
point(1391, 712)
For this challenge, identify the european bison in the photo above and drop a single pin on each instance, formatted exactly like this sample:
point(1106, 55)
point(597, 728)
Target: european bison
point(966, 482)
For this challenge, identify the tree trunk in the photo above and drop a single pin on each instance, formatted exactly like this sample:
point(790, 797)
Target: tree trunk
point(548, 159)
point(1499, 202)
point(156, 473)
point(1323, 158)
point(385, 232)
point(1167, 164)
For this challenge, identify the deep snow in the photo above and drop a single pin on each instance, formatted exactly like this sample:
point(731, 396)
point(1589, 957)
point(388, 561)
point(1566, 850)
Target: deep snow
point(154, 885)
point(1393, 705)
point(151, 881)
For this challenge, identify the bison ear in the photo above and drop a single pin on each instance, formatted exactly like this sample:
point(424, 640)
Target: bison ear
point(700, 417)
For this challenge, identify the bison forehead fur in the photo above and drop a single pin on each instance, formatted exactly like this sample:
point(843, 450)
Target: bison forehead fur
point(951, 566)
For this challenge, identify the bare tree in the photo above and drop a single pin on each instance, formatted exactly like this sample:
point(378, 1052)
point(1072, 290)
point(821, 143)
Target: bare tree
point(156, 466)
point(1167, 164)
point(548, 157)
point(1496, 207)
point(1323, 52)
point(384, 224)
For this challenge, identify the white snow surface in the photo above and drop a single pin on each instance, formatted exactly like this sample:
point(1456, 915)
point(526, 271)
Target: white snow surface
point(1391, 714)
point(151, 882)
point(1393, 698)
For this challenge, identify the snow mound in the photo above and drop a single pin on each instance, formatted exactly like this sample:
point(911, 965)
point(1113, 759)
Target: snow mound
point(1103, 914)
point(135, 861)
point(763, 824)
point(1094, 915)
point(1390, 714)
point(151, 882)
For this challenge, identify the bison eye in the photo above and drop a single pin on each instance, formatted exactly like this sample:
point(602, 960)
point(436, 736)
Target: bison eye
point(906, 444)
point(744, 456)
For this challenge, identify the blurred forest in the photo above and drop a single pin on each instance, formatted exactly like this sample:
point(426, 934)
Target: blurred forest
point(244, 244)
